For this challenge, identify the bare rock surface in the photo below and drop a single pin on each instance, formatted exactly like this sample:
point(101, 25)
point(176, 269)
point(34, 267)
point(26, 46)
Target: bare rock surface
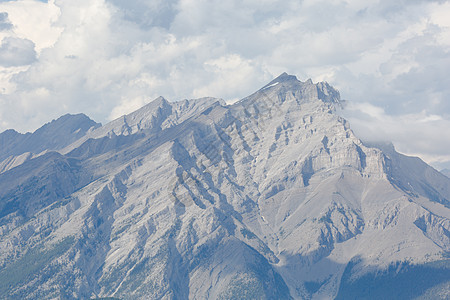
point(273, 197)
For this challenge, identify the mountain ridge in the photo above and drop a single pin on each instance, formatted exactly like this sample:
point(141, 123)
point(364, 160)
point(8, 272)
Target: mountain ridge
point(16, 148)
point(270, 197)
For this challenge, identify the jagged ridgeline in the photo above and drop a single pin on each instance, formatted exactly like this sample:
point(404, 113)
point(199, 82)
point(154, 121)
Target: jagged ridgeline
point(272, 197)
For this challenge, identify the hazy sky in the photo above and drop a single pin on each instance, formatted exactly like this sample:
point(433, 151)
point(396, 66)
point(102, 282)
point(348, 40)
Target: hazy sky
point(390, 59)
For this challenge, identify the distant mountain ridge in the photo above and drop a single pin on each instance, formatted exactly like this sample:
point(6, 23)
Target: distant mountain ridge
point(272, 197)
point(15, 148)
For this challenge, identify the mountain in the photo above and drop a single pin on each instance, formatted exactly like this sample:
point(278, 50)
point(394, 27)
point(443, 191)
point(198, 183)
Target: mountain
point(446, 172)
point(272, 197)
point(15, 148)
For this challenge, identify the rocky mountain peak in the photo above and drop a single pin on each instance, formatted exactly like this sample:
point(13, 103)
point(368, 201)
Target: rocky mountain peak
point(288, 90)
point(54, 135)
point(328, 94)
point(282, 78)
point(273, 197)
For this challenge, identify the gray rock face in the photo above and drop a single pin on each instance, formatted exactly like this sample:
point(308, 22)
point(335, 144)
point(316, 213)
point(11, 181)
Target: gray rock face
point(272, 197)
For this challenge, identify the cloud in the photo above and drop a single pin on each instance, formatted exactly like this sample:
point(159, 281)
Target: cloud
point(418, 134)
point(16, 52)
point(5, 24)
point(147, 14)
point(107, 57)
point(33, 20)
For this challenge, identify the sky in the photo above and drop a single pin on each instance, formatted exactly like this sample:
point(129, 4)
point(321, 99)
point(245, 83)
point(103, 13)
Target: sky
point(105, 58)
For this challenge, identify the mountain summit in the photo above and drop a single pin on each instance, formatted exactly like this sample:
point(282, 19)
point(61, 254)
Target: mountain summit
point(272, 197)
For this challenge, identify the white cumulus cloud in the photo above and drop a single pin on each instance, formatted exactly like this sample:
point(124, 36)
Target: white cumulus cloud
point(107, 57)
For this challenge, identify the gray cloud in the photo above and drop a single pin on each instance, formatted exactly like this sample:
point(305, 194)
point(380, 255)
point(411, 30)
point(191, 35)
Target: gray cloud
point(5, 24)
point(148, 14)
point(16, 52)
